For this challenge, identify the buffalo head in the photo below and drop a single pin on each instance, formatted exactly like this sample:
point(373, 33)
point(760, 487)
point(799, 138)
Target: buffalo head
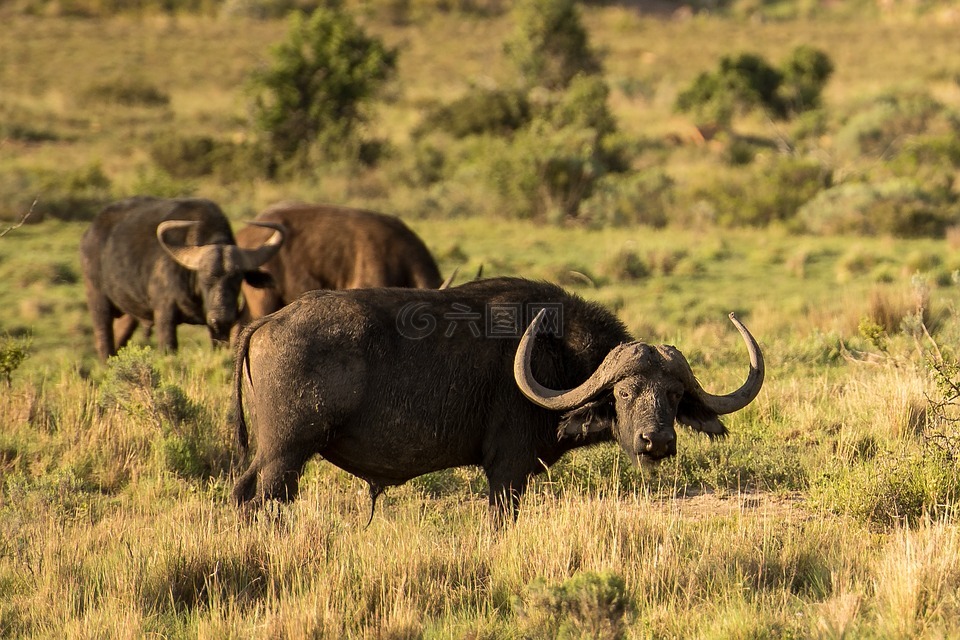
point(639, 391)
point(219, 269)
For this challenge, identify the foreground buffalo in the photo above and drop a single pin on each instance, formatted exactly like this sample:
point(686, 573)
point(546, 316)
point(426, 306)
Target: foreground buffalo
point(164, 262)
point(329, 247)
point(389, 384)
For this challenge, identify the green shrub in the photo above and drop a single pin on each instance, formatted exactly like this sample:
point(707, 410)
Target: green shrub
point(890, 488)
point(185, 157)
point(896, 207)
point(588, 605)
point(643, 197)
point(885, 124)
point(13, 351)
point(769, 193)
point(185, 442)
point(805, 72)
point(312, 99)
point(494, 111)
point(931, 161)
point(747, 81)
point(550, 45)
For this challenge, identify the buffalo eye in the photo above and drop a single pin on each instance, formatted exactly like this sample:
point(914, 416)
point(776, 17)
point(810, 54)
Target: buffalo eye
point(624, 394)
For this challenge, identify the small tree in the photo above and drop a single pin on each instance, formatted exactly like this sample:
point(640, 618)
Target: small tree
point(315, 93)
point(805, 73)
point(747, 81)
point(13, 351)
point(550, 46)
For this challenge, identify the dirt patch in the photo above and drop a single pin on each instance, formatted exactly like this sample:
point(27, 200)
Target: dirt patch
point(754, 504)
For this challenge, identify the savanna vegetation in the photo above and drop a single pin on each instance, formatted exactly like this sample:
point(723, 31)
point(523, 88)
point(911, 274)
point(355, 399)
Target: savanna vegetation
point(795, 162)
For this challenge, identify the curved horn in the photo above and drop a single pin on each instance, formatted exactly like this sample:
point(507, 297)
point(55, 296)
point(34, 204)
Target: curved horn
point(743, 396)
point(253, 258)
point(186, 255)
point(449, 281)
point(562, 400)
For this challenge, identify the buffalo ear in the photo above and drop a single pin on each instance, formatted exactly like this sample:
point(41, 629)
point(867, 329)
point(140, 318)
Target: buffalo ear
point(258, 279)
point(590, 417)
point(695, 415)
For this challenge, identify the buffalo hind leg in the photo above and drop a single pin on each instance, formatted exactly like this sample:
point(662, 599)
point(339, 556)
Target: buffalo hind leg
point(277, 478)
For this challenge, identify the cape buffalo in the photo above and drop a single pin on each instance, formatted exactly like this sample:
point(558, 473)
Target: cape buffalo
point(389, 384)
point(330, 247)
point(165, 262)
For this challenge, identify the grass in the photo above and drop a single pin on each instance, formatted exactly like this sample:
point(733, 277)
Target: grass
point(829, 512)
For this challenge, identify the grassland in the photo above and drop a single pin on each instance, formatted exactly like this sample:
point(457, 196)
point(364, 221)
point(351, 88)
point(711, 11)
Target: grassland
point(829, 512)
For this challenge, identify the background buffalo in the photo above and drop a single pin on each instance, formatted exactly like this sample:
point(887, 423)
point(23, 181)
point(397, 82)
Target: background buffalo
point(165, 262)
point(330, 247)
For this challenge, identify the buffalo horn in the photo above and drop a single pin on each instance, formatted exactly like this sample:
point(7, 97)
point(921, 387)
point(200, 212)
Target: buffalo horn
point(605, 374)
point(253, 258)
point(743, 396)
point(449, 281)
point(187, 255)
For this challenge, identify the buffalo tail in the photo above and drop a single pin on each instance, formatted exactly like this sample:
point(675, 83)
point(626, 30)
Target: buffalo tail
point(241, 357)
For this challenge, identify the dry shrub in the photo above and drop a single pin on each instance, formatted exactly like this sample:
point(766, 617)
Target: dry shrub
point(889, 309)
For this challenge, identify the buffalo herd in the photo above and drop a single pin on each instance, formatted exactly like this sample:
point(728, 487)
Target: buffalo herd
point(350, 346)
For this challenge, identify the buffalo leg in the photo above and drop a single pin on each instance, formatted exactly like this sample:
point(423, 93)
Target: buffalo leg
point(505, 495)
point(280, 478)
point(246, 486)
point(123, 328)
point(277, 478)
point(166, 330)
point(101, 312)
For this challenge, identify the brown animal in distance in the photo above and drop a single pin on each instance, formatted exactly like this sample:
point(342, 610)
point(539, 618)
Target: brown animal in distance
point(332, 247)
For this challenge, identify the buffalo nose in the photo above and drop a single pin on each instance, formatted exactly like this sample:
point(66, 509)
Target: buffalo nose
point(659, 444)
point(219, 329)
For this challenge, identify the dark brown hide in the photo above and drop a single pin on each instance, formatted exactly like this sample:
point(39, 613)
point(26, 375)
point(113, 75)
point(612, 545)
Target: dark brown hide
point(329, 247)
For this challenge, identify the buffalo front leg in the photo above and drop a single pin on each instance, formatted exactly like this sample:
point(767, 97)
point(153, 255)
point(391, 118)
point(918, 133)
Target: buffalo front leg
point(505, 493)
point(166, 330)
point(101, 313)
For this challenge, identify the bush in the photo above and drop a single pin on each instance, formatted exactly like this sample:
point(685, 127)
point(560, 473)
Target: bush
point(588, 605)
point(185, 441)
point(550, 46)
point(767, 194)
point(740, 83)
point(896, 207)
point(311, 101)
point(931, 161)
point(747, 81)
point(184, 157)
point(891, 488)
point(804, 73)
point(13, 351)
point(497, 112)
point(643, 198)
point(886, 123)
